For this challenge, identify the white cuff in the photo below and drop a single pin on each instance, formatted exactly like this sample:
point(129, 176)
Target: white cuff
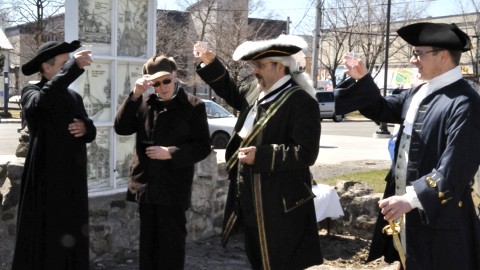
point(412, 198)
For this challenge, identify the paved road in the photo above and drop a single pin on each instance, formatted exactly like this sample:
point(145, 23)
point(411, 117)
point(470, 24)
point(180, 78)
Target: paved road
point(9, 138)
point(345, 141)
point(351, 140)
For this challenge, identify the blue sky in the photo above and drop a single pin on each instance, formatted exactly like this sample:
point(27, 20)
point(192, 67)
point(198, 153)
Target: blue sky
point(302, 12)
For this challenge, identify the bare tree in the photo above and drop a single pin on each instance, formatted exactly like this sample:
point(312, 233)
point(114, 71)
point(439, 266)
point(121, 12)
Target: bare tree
point(37, 16)
point(471, 21)
point(225, 24)
point(5, 21)
point(360, 25)
point(173, 39)
point(38, 21)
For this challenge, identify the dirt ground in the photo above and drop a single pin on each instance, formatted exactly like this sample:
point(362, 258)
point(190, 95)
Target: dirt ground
point(343, 251)
point(340, 252)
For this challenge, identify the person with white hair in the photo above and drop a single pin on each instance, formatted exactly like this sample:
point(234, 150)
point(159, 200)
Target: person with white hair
point(275, 140)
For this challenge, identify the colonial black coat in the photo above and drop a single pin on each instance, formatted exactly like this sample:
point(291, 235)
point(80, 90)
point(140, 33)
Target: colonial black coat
point(182, 123)
point(52, 225)
point(443, 158)
point(286, 147)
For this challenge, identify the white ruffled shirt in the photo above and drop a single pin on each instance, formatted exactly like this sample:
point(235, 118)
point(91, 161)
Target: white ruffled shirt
point(431, 86)
point(248, 124)
point(434, 84)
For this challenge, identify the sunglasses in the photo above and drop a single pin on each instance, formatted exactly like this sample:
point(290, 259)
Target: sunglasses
point(164, 82)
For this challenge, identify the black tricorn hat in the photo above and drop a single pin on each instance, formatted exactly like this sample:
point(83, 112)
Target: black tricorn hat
point(284, 45)
point(441, 35)
point(48, 51)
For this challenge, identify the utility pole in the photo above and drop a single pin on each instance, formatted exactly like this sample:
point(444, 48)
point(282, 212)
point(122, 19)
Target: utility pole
point(288, 26)
point(382, 129)
point(475, 63)
point(6, 85)
point(316, 43)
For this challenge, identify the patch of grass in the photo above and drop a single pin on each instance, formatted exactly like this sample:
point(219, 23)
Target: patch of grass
point(375, 179)
point(354, 114)
point(15, 113)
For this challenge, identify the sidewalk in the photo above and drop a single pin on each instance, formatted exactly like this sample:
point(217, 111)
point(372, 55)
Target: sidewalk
point(10, 120)
point(7, 158)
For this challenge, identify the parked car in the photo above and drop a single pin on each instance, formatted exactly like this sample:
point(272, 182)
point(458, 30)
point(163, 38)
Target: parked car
point(326, 102)
point(220, 122)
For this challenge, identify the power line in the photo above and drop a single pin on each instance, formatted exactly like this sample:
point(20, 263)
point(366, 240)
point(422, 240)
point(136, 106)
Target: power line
point(305, 14)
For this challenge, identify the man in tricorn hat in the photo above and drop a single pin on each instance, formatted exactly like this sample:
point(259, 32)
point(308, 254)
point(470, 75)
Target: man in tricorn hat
point(428, 188)
point(276, 139)
point(52, 221)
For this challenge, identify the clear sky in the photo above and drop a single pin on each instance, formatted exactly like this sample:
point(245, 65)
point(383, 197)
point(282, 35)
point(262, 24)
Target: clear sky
point(302, 12)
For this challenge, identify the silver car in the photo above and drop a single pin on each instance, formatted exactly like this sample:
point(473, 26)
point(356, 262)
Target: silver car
point(326, 102)
point(220, 122)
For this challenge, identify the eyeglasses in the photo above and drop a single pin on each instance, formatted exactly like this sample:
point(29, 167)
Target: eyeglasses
point(164, 82)
point(261, 65)
point(417, 54)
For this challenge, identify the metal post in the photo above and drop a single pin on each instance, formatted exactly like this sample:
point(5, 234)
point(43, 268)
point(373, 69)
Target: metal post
point(475, 63)
point(382, 129)
point(316, 42)
point(288, 26)
point(6, 87)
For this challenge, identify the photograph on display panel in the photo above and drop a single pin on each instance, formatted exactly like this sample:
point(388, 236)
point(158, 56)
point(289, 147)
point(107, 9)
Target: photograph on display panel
point(132, 28)
point(98, 167)
point(96, 89)
point(127, 74)
point(95, 26)
point(124, 154)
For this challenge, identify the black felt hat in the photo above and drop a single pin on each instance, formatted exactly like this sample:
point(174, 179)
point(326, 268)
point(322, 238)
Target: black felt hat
point(284, 45)
point(48, 51)
point(441, 35)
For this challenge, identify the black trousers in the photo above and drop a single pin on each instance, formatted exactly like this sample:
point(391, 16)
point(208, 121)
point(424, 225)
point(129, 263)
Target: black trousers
point(162, 237)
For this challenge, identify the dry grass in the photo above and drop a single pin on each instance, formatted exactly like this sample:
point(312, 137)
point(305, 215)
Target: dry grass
point(375, 179)
point(355, 114)
point(15, 113)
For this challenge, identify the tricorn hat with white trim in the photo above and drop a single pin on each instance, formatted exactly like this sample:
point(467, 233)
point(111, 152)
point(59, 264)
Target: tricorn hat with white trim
point(284, 45)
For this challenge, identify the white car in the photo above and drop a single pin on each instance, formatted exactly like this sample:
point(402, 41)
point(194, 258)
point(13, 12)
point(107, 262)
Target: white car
point(221, 124)
point(326, 102)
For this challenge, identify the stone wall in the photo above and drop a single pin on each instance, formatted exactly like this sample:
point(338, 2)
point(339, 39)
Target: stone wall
point(10, 175)
point(360, 207)
point(114, 222)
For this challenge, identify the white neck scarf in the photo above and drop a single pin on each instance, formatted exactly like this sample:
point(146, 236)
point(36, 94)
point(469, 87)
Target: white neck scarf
point(248, 124)
point(431, 86)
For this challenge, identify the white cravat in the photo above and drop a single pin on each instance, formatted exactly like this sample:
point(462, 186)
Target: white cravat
point(434, 84)
point(248, 124)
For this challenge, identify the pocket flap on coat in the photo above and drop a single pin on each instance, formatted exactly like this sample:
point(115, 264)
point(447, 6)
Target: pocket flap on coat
point(297, 197)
